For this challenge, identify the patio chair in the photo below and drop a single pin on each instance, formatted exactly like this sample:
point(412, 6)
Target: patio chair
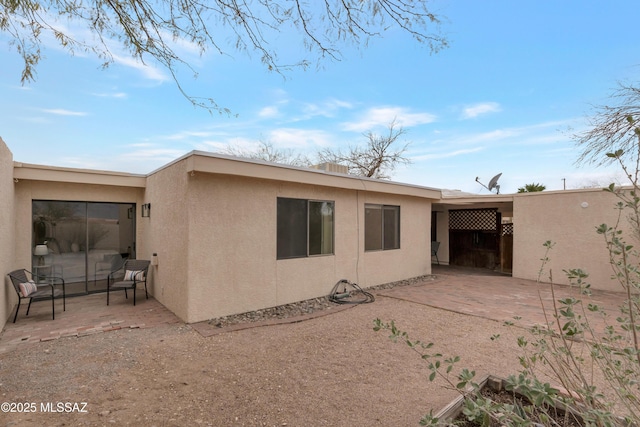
point(26, 288)
point(133, 272)
point(110, 263)
point(434, 250)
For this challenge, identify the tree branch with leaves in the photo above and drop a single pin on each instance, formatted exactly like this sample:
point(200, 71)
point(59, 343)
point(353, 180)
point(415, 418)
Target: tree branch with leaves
point(532, 188)
point(152, 30)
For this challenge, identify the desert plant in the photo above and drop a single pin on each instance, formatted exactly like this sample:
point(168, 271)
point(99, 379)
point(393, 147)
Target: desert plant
point(569, 349)
point(598, 369)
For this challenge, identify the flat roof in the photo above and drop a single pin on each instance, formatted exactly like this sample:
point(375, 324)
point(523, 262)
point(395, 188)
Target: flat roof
point(33, 172)
point(206, 162)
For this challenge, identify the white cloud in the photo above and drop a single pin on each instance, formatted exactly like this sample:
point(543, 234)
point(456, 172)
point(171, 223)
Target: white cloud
point(269, 112)
point(118, 95)
point(299, 138)
point(326, 109)
point(142, 160)
point(537, 134)
point(154, 155)
point(238, 143)
point(473, 111)
point(382, 116)
point(491, 136)
point(299, 141)
point(62, 112)
point(445, 155)
point(187, 135)
point(148, 71)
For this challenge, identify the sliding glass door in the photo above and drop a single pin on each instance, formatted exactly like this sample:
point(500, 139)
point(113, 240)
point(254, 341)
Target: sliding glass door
point(84, 241)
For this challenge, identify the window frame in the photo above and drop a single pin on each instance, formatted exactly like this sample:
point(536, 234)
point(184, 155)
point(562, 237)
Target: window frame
point(382, 241)
point(281, 253)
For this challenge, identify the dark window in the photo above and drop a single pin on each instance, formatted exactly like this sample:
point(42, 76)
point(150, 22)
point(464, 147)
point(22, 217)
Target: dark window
point(381, 227)
point(305, 227)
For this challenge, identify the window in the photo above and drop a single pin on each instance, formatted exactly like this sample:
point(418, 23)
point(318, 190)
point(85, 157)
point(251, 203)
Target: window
point(85, 240)
point(305, 228)
point(381, 227)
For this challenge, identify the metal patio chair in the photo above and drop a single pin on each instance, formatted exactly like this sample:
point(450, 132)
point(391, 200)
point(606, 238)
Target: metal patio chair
point(109, 264)
point(434, 250)
point(133, 272)
point(42, 288)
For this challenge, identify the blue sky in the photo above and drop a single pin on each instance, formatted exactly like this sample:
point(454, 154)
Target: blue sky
point(518, 79)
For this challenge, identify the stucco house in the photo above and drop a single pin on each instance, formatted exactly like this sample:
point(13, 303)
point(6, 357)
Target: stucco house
point(228, 235)
point(225, 235)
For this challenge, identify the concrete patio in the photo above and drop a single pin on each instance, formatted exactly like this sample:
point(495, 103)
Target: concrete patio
point(85, 315)
point(467, 291)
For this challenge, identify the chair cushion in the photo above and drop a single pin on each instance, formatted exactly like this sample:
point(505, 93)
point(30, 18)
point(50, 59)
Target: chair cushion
point(137, 275)
point(28, 288)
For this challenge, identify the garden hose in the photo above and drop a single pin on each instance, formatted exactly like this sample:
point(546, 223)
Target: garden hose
point(346, 292)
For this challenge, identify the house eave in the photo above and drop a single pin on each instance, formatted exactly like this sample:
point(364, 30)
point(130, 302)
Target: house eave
point(465, 200)
point(204, 162)
point(31, 172)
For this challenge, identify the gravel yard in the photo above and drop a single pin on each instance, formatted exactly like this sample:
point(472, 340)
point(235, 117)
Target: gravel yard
point(313, 363)
point(332, 370)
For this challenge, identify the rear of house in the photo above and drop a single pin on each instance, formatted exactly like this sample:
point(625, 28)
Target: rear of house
point(226, 235)
point(251, 234)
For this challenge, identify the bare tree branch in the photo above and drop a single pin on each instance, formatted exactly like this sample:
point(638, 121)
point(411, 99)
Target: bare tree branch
point(612, 127)
point(267, 152)
point(377, 160)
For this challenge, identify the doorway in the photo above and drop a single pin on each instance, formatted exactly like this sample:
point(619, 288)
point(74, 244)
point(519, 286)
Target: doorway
point(474, 239)
point(85, 241)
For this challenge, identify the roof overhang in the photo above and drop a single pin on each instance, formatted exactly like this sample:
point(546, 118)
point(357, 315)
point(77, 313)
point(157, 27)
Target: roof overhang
point(25, 171)
point(204, 162)
point(467, 200)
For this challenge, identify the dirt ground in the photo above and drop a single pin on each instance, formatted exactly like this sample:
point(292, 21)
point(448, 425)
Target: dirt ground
point(328, 371)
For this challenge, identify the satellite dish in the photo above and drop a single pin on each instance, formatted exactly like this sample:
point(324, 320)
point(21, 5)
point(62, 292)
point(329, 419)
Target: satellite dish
point(493, 184)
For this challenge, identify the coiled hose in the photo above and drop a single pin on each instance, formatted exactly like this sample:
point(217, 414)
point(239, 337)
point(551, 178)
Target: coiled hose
point(346, 292)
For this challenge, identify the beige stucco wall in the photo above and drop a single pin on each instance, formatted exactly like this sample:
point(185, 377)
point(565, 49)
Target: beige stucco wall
point(166, 232)
point(568, 218)
point(215, 233)
point(8, 298)
point(414, 256)
point(221, 232)
point(28, 190)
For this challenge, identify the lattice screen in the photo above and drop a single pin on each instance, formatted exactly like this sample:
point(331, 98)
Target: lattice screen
point(473, 219)
point(507, 229)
